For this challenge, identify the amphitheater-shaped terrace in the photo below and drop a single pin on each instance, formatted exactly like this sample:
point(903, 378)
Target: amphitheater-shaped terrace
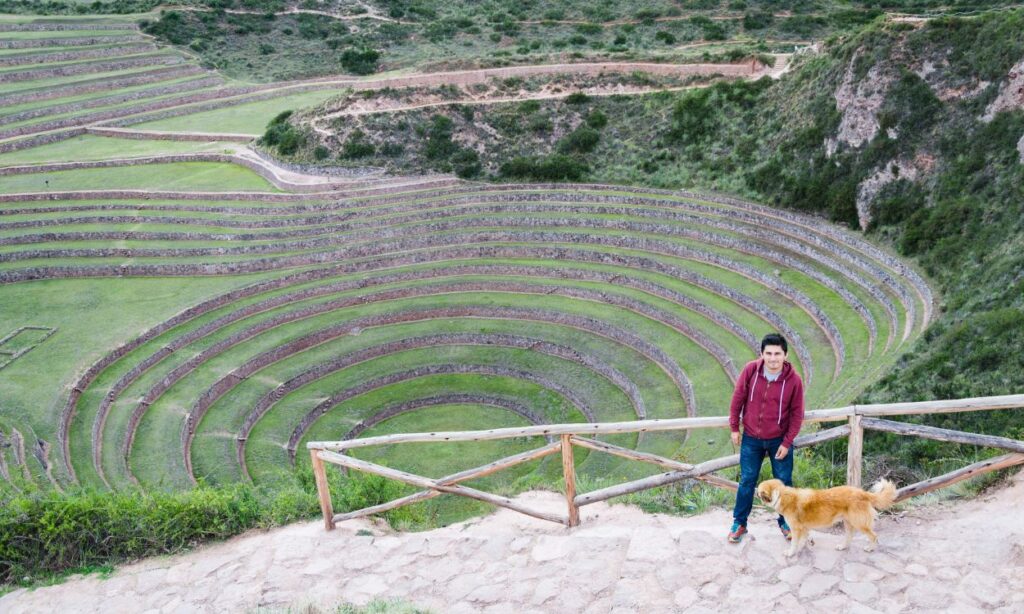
point(217, 310)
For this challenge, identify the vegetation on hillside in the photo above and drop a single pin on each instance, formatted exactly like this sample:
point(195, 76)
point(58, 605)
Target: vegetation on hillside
point(260, 45)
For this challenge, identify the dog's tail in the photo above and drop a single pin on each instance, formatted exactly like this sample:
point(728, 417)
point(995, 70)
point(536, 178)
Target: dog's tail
point(882, 494)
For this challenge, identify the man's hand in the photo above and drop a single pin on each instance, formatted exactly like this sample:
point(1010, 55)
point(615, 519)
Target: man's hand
point(735, 439)
point(781, 453)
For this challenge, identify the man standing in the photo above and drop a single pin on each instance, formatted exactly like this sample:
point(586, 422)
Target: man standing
point(769, 397)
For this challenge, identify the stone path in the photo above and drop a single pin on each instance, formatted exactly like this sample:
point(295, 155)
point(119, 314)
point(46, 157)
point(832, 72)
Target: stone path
point(965, 557)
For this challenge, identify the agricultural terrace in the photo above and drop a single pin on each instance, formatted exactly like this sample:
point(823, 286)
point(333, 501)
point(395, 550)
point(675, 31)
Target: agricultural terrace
point(178, 307)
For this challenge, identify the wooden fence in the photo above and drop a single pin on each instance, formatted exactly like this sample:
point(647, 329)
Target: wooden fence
point(857, 418)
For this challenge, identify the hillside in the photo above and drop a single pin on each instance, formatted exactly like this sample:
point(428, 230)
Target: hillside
point(962, 557)
point(910, 132)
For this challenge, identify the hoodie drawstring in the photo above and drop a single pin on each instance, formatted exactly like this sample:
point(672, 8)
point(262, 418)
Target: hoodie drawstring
point(780, 400)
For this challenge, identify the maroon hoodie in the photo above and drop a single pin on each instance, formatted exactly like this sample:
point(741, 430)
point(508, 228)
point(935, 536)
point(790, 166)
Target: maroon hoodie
point(769, 409)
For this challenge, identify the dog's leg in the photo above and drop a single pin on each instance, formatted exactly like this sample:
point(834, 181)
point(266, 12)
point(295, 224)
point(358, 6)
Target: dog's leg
point(869, 531)
point(799, 537)
point(849, 536)
point(794, 543)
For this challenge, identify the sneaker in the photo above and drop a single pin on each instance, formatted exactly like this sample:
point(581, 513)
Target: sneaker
point(737, 532)
point(786, 531)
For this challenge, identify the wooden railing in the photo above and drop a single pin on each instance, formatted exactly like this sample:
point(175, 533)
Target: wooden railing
point(857, 418)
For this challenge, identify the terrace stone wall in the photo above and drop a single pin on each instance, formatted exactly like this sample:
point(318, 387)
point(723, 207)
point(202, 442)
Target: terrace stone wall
point(80, 41)
point(72, 55)
point(85, 68)
point(44, 111)
point(105, 84)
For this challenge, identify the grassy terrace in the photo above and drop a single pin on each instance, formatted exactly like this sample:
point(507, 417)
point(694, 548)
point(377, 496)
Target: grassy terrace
point(211, 338)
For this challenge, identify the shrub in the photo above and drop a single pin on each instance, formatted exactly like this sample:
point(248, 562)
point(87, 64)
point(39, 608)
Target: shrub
point(665, 37)
point(290, 142)
point(360, 62)
point(539, 123)
point(556, 167)
point(597, 119)
point(439, 145)
point(757, 20)
point(581, 140)
point(466, 163)
point(577, 98)
point(356, 146)
point(529, 106)
point(50, 532)
point(321, 152)
point(692, 117)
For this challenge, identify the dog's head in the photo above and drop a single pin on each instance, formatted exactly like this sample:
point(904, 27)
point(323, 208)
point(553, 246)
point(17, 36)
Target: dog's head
point(769, 491)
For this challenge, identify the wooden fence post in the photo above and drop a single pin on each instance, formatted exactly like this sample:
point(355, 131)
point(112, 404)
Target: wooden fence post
point(569, 469)
point(855, 452)
point(323, 491)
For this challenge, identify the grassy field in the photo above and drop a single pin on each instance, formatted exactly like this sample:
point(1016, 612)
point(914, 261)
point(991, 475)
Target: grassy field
point(248, 118)
point(197, 176)
point(90, 147)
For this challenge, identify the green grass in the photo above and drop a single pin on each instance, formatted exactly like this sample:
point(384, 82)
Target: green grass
point(91, 147)
point(188, 176)
point(24, 86)
point(64, 34)
point(246, 118)
point(100, 94)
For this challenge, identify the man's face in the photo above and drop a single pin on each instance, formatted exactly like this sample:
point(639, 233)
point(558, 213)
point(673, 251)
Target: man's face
point(773, 357)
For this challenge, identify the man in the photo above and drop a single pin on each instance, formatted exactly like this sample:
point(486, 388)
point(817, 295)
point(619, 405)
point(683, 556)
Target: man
point(769, 397)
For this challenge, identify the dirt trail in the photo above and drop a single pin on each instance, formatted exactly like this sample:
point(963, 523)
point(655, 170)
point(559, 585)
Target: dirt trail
point(963, 557)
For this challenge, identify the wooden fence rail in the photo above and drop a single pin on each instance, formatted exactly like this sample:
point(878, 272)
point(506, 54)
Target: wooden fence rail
point(858, 418)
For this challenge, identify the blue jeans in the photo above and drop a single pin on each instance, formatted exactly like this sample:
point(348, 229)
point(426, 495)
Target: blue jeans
point(752, 453)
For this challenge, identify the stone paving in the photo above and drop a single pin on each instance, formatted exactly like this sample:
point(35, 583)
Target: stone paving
point(963, 557)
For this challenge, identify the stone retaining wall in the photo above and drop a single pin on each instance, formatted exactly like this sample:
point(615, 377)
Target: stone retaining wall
point(72, 55)
point(85, 68)
point(81, 41)
point(381, 245)
point(426, 371)
point(143, 135)
point(324, 369)
point(107, 100)
point(215, 391)
point(446, 399)
point(63, 27)
point(103, 84)
point(184, 340)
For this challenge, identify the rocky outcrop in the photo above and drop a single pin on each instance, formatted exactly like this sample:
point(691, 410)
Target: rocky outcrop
point(1010, 96)
point(859, 101)
point(870, 187)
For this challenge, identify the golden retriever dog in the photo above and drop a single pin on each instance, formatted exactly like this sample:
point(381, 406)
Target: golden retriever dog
point(805, 509)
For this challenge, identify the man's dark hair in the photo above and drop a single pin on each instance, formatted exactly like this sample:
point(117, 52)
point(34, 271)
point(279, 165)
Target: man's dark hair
point(774, 339)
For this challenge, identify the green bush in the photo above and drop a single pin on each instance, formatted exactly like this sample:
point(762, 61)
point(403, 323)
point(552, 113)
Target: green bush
point(357, 146)
point(360, 61)
point(49, 532)
point(693, 117)
point(665, 37)
point(466, 163)
point(581, 140)
point(577, 98)
point(757, 20)
point(439, 144)
point(597, 119)
point(556, 167)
